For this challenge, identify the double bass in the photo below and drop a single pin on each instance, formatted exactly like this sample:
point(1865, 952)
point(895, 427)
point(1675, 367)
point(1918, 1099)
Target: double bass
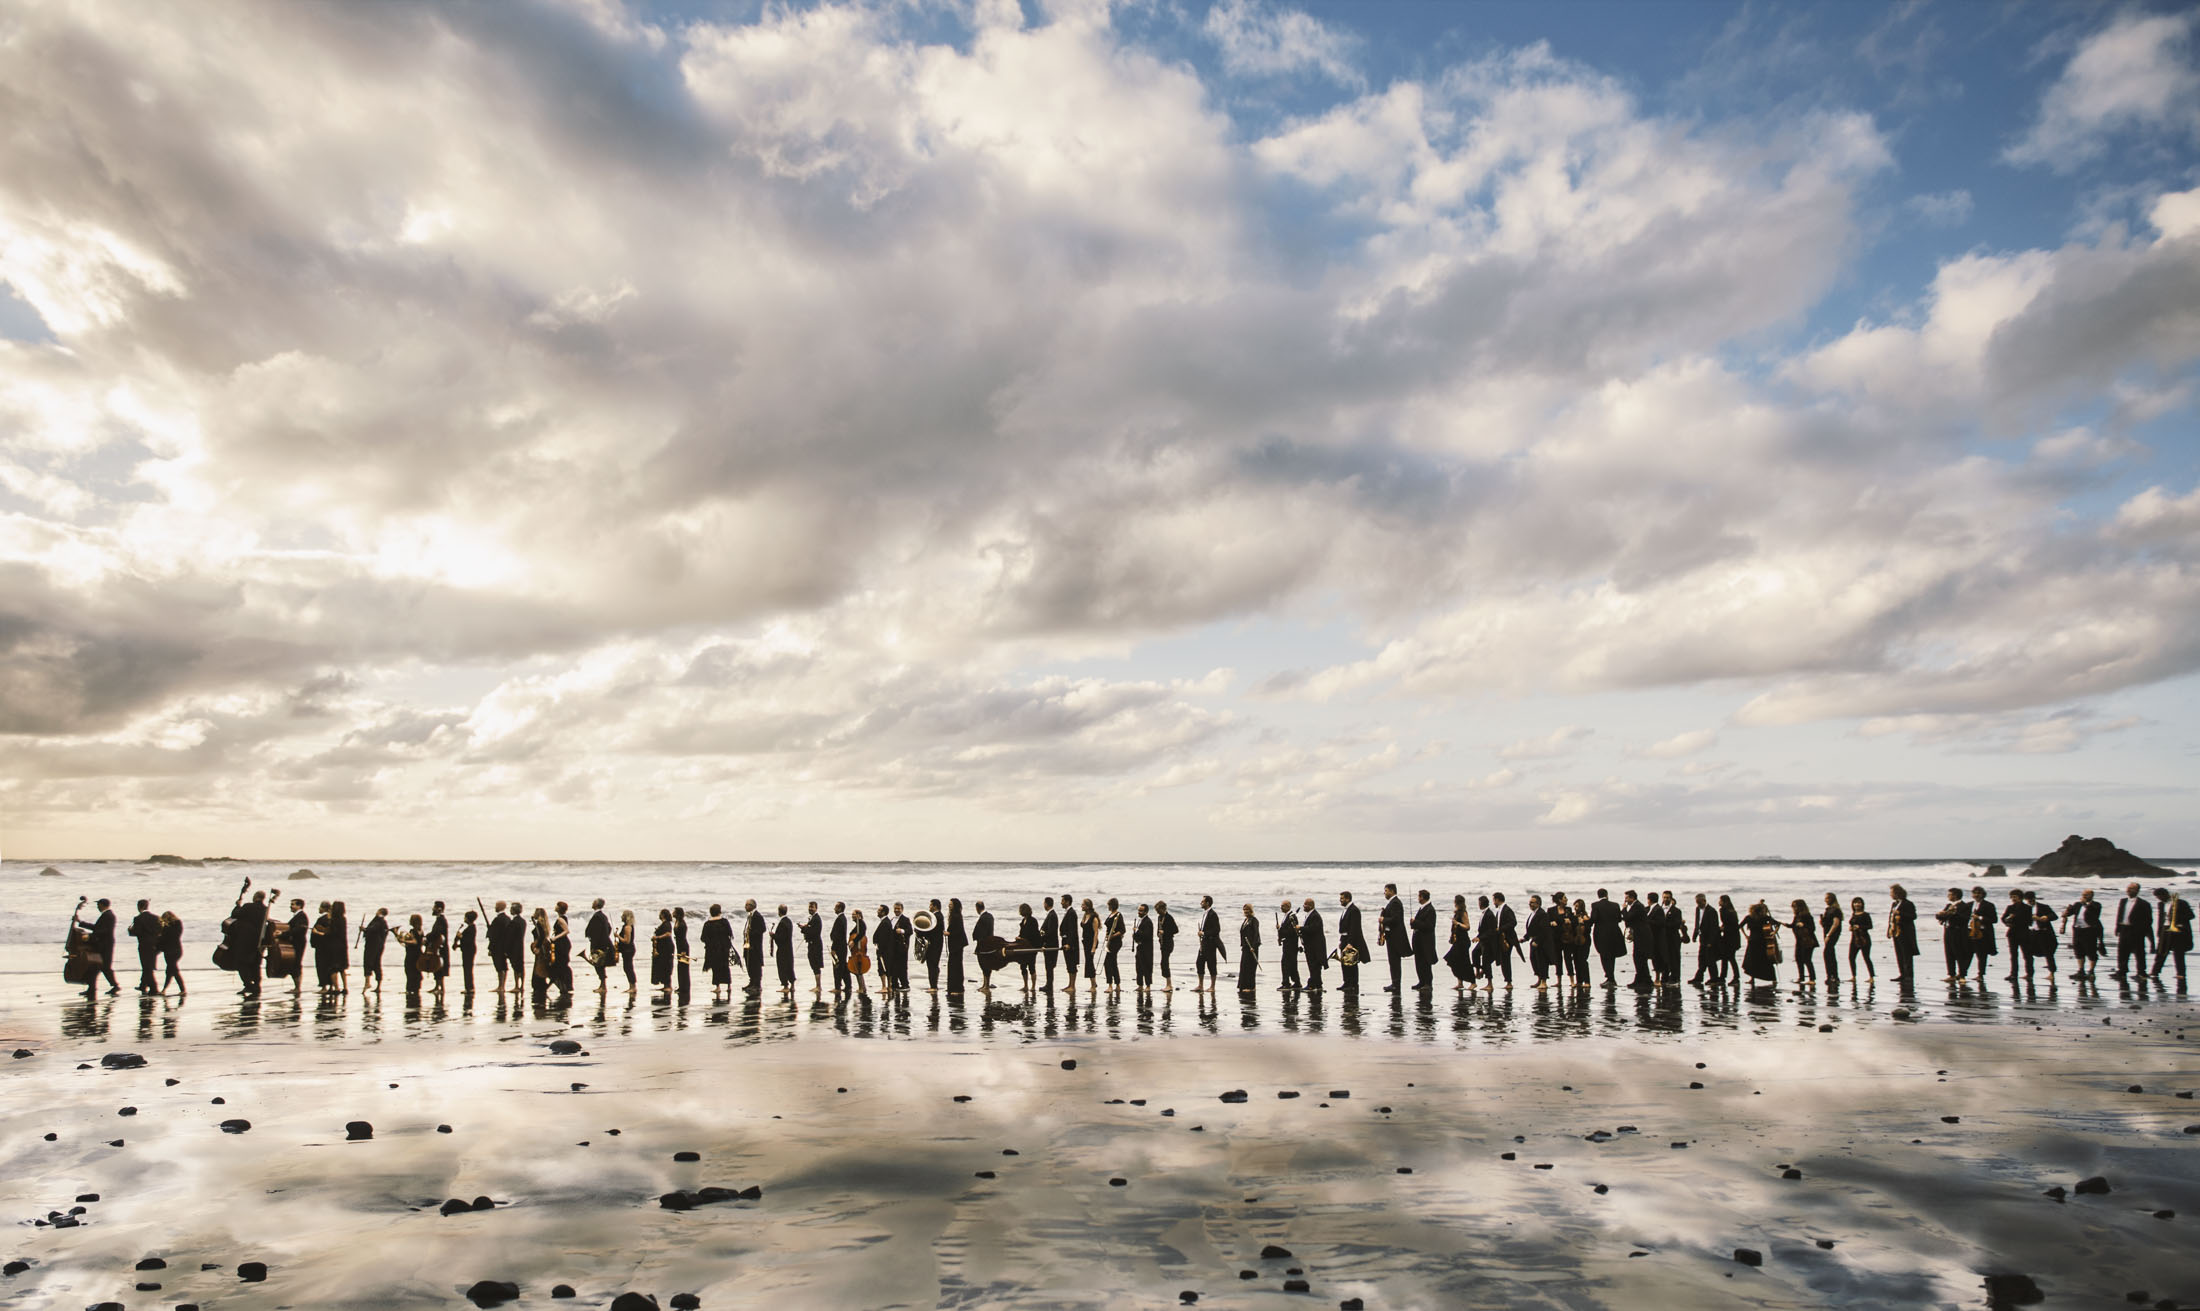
point(82, 964)
point(224, 954)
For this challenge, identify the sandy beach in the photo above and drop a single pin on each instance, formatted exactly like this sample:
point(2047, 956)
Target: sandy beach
point(1510, 1151)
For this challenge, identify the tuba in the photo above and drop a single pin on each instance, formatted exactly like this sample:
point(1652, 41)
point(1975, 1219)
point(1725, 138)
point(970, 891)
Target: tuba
point(921, 921)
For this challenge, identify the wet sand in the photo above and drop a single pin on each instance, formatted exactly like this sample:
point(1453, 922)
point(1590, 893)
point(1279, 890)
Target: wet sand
point(1627, 1187)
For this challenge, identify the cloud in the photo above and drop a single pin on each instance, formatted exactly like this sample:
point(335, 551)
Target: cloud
point(1559, 741)
point(2055, 733)
point(1681, 744)
point(1941, 209)
point(1259, 40)
point(532, 406)
point(2134, 75)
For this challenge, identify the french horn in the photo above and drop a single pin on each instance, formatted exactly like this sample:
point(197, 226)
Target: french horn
point(921, 921)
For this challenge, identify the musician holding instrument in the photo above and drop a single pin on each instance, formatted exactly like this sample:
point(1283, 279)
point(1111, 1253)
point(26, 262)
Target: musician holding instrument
point(859, 951)
point(1028, 939)
point(718, 951)
point(1313, 944)
point(92, 948)
point(1248, 951)
point(1287, 944)
point(931, 926)
point(1390, 935)
point(625, 944)
point(753, 935)
point(601, 952)
point(1902, 931)
point(171, 950)
point(1351, 944)
point(286, 954)
point(372, 935)
point(813, 941)
point(247, 927)
point(1088, 926)
point(660, 956)
point(1114, 926)
point(1050, 938)
point(411, 938)
point(469, 932)
point(1142, 950)
point(1069, 936)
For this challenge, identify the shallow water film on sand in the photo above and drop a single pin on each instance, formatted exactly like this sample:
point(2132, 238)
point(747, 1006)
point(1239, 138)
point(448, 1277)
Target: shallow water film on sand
point(1960, 1146)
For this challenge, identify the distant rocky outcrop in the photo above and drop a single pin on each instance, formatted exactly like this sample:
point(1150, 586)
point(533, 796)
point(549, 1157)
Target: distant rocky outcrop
point(1995, 872)
point(49, 873)
point(305, 874)
point(166, 859)
point(2094, 858)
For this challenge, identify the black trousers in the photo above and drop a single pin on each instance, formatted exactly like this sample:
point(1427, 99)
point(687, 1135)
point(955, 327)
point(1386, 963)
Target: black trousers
point(1397, 968)
point(1168, 945)
point(1424, 970)
point(1351, 977)
point(1115, 974)
point(2127, 947)
point(1142, 961)
point(1313, 973)
point(149, 969)
point(1050, 953)
point(1248, 971)
point(1290, 965)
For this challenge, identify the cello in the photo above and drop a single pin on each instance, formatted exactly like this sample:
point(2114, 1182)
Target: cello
point(224, 953)
point(81, 966)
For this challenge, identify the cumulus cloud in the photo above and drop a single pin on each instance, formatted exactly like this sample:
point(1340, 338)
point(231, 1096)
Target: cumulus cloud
point(1681, 744)
point(1558, 742)
point(2136, 74)
point(1264, 41)
point(530, 403)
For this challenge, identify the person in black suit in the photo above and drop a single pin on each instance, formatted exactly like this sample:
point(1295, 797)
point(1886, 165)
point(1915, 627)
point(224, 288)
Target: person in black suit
point(1671, 940)
point(1030, 936)
point(1349, 935)
point(813, 941)
point(1287, 945)
point(885, 944)
point(2082, 921)
point(1391, 935)
point(248, 926)
point(840, 947)
point(1112, 931)
point(1314, 944)
point(783, 948)
point(1068, 933)
point(1607, 933)
point(600, 950)
point(1636, 917)
point(1902, 931)
point(2134, 930)
point(2174, 933)
point(1540, 938)
point(1050, 939)
point(1142, 950)
point(145, 927)
point(1707, 941)
point(1164, 931)
point(1210, 946)
point(1954, 918)
point(1424, 943)
point(979, 932)
point(752, 941)
point(469, 933)
point(931, 944)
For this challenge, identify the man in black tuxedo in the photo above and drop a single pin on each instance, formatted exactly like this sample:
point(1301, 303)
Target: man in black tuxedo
point(1390, 934)
point(601, 952)
point(1050, 940)
point(840, 947)
point(1206, 969)
point(1349, 935)
point(753, 933)
point(1314, 943)
point(783, 949)
point(1287, 945)
point(813, 941)
point(1424, 943)
point(980, 930)
point(145, 927)
point(1641, 937)
point(2134, 930)
point(1607, 933)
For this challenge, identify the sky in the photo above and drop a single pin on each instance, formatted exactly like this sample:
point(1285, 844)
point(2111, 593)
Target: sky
point(567, 429)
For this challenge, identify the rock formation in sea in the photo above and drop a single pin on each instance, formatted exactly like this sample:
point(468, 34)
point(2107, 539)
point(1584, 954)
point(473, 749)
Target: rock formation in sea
point(2094, 858)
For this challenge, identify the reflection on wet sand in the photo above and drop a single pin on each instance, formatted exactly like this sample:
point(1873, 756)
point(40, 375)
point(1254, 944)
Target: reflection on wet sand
point(934, 1150)
point(1469, 1018)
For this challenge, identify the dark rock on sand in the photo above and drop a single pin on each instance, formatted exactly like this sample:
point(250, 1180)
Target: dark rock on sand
point(1234, 1095)
point(1275, 1253)
point(122, 1061)
point(443, 1128)
point(453, 1206)
point(151, 1263)
point(687, 1156)
point(987, 1174)
point(1351, 1304)
point(2056, 1192)
point(252, 1272)
point(1069, 1064)
point(1119, 1182)
point(14, 1268)
point(1296, 1286)
point(87, 1197)
point(219, 1101)
point(1187, 1297)
point(634, 1302)
point(493, 1292)
point(1749, 1256)
point(2094, 858)
point(358, 1131)
point(563, 1290)
point(565, 1047)
point(1287, 1094)
point(22, 1053)
point(1791, 1174)
point(678, 1201)
point(236, 1126)
point(2012, 1290)
point(2095, 1185)
point(685, 1302)
point(485, 1204)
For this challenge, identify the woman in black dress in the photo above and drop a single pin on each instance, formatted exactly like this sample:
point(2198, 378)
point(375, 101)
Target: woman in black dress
point(1114, 928)
point(1248, 950)
point(660, 954)
point(1860, 939)
point(1577, 940)
point(1760, 944)
point(340, 930)
point(372, 938)
point(681, 958)
point(625, 943)
point(323, 936)
point(958, 938)
point(1459, 950)
point(411, 938)
point(171, 949)
point(1089, 925)
point(1805, 930)
point(1829, 932)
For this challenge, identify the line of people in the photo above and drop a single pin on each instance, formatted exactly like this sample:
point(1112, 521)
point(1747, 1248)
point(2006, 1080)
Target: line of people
point(1561, 941)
